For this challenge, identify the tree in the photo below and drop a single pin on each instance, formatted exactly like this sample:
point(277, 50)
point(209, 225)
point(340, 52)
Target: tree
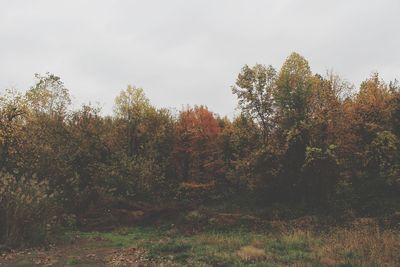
point(45, 133)
point(377, 182)
point(254, 89)
point(292, 96)
point(132, 106)
point(49, 96)
point(320, 176)
point(368, 113)
point(12, 111)
point(197, 153)
point(87, 144)
point(293, 91)
point(327, 117)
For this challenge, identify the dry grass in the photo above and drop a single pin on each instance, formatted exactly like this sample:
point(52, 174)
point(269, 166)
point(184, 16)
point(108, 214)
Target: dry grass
point(359, 246)
point(251, 254)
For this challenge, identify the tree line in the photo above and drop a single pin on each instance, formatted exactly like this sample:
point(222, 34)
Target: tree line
point(301, 139)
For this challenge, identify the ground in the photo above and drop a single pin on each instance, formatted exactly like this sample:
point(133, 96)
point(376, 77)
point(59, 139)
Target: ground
point(201, 238)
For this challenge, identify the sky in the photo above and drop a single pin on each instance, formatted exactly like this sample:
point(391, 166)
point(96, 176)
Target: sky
point(186, 52)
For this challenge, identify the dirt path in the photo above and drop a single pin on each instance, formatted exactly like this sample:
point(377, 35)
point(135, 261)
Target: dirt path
point(85, 252)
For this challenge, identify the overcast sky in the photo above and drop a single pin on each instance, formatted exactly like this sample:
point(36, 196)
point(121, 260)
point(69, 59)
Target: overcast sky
point(190, 51)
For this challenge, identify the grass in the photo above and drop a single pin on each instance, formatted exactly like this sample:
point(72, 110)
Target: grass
point(203, 238)
point(71, 261)
point(339, 247)
point(251, 254)
point(24, 263)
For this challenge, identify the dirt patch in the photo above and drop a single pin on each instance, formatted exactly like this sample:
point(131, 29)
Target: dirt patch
point(127, 257)
point(84, 252)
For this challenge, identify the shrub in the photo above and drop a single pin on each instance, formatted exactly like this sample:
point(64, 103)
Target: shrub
point(135, 178)
point(25, 209)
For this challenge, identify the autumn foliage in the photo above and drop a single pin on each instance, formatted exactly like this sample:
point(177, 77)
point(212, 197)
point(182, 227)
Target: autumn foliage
point(196, 152)
point(301, 140)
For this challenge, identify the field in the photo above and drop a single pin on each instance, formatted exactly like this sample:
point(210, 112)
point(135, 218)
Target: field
point(199, 238)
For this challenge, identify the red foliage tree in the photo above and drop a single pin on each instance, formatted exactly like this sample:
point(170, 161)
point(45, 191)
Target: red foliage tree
point(197, 153)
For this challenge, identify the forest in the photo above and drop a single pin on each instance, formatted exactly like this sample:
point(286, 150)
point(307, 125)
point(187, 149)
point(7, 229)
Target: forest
point(307, 174)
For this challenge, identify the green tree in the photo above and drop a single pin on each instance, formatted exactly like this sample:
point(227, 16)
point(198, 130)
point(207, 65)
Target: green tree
point(254, 89)
point(132, 106)
point(292, 96)
point(293, 91)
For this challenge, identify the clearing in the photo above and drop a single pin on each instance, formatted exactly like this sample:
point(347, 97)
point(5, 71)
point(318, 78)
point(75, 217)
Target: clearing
point(198, 238)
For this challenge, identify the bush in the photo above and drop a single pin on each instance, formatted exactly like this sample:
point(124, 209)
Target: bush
point(25, 209)
point(134, 178)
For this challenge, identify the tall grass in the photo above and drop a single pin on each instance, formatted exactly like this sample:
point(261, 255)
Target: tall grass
point(337, 247)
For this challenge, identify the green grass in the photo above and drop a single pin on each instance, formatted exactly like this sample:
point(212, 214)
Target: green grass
point(206, 248)
point(292, 248)
point(24, 263)
point(340, 247)
point(71, 261)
